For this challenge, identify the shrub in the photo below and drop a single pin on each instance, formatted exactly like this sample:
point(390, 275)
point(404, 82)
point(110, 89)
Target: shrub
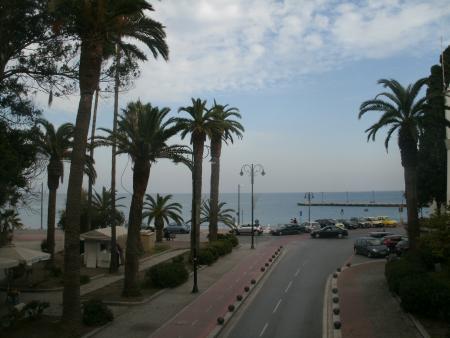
point(55, 271)
point(206, 256)
point(404, 268)
point(44, 246)
point(84, 279)
point(229, 237)
point(167, 274)
point(96, 313)
point(34, 309)
point(178, 259)
point(222, 247)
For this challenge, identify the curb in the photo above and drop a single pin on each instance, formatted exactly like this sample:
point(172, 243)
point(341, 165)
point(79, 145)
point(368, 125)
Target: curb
point(233, 308)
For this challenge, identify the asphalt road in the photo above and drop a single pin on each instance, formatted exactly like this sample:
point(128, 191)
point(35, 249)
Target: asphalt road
point(290, 301)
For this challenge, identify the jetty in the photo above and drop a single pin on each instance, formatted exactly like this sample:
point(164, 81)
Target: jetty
point(351, 204)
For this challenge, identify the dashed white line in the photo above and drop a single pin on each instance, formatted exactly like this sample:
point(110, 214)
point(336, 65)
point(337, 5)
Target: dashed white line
point(194, 322)
point(287, 288)
point(209, 308)
point(276, 306)
point(297, 272)
point(264, 329)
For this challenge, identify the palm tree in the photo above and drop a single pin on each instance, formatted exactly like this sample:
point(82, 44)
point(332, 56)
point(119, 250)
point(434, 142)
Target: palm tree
point(199, 126)
point(224, 115)
point(103, 212)
point(95, 23)
point(224, 215)
point(161, 211)
point(401, 112)
point(142, 133)
point(55, 146)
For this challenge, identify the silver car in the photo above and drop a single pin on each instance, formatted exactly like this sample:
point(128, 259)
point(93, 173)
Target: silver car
point(246, 229)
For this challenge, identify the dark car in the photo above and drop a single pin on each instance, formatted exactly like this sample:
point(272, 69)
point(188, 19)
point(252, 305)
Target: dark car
point(174, 228)
point(371, 247)
point(391, 241)
point(325, 222)
point(288, 229)
point(348, 224)
point(329, 231)
point(379, 234)
point(402, 246)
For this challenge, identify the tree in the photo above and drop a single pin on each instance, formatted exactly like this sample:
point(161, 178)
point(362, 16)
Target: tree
point(401, 112)
point(9, 220)
point(199, 125)
point(142, 133)
point(54, 146)
point(228, 127)
point(161, 211)
point(94, 24)
point(432, 155)
point(224, 215)
point(104, 214)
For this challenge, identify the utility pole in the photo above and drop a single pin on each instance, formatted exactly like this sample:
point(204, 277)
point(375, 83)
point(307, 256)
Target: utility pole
point(42, 204)
point(239, 205)
point(309, 196)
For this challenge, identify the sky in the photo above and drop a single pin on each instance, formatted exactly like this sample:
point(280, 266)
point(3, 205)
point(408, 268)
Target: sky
point(297, 70)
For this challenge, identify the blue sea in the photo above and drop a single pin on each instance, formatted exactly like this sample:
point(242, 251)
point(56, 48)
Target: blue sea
point(270, 208)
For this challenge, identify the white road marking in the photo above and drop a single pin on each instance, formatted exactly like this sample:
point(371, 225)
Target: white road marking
point(276, 306)
point(264, 329)
point(287, 288)
point(209, 308)
point(194, 322)
point(297, 272)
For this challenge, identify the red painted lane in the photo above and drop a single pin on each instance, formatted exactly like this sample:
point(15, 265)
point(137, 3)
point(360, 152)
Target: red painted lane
point(199, 318)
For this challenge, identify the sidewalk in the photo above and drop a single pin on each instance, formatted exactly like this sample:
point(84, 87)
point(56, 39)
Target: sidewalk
point(179, 313)
point(367, 308)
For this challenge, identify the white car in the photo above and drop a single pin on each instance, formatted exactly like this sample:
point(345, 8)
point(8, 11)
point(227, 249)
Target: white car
point(311, 226)
point(246, 229)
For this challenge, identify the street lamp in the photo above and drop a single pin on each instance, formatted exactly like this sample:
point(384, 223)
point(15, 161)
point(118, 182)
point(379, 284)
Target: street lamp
point(252, 170)
point(309, 196)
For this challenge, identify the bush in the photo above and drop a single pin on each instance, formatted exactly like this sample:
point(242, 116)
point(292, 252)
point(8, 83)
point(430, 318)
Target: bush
point(206, 256)
point(96, 313)
point(426, 295)
point(230, 237)
point(34, 309)
point(84, 279)
point(55, 271)
point(404, 268)
point(222, 247)
point(169, 274)
point(44, 246)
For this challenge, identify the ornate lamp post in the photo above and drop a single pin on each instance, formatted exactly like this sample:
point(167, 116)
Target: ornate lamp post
point(252, 170)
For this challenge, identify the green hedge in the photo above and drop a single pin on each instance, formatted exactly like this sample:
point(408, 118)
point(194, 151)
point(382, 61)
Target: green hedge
point(96, 313)
point(400, 269)
point(166, 275)
point(206, 256)
point(230, 237)
point(222, 247)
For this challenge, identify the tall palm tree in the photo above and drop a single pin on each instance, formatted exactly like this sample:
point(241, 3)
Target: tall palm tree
point(161, 211)
point(199, 125)
point(403, 112)
point(142, 133)
point(55, 146)
point(93, 24)
point(225, 116)
point(224, 215)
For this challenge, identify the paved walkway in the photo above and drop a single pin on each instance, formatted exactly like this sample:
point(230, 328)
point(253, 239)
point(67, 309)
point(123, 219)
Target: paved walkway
point(368, 309)
point(179, 313)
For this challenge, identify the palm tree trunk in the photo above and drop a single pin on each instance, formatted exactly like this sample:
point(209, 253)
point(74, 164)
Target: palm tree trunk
point(141, 173)
point(411, 205)
point(196, 195)
point(216, 147)
point(52, 183)
point(89, 73)
point(159, 226)
point(91, 155)
point(114, 265)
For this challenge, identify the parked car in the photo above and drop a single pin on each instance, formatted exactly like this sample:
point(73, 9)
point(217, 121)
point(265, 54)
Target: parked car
point(387, 222)
point(246, 229)
point(379, 234)
point(402, 246)
point(348, 224)
point(311, 226)
point(174, 228)
point(364, 223)
point(329, 231)
point(371, 247)
point(288, 229)
point(325, 222)
point(391, 241)
point(375, 222)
